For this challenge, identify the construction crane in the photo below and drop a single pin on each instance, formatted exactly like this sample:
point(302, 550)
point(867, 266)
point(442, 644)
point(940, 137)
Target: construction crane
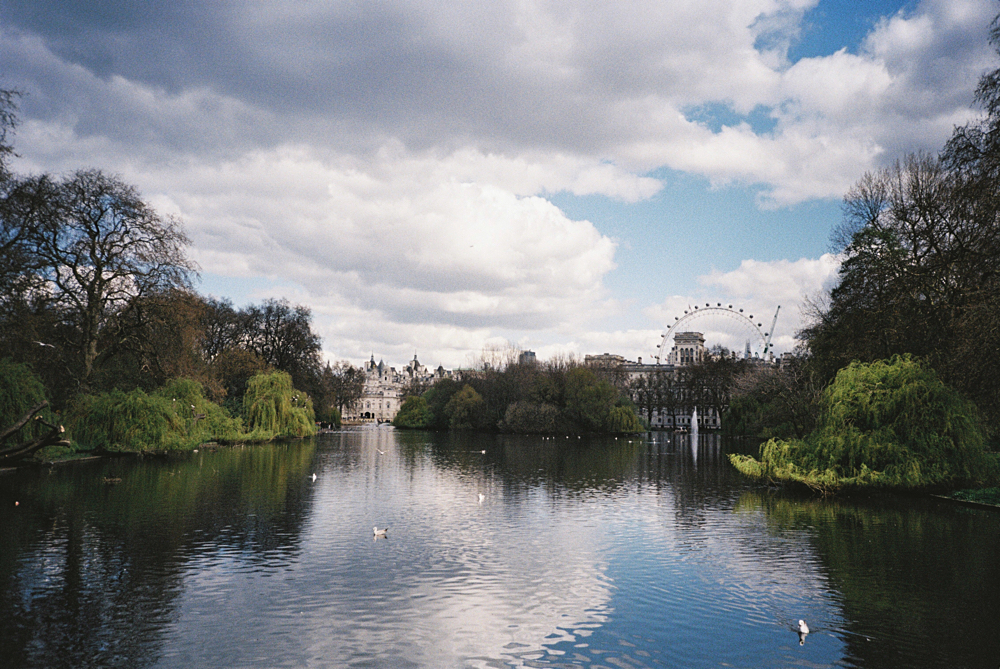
point(770, 333)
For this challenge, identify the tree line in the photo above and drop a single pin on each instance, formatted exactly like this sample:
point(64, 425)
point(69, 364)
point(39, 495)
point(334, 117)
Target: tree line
point(921, 270)
point(98, 296)
point(906, 347)
point(556, 397)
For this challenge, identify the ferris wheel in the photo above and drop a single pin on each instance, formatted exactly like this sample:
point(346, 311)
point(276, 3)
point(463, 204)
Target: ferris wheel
point(722, 325)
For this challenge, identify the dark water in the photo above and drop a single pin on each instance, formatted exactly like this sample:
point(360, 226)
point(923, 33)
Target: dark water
point(599, 553)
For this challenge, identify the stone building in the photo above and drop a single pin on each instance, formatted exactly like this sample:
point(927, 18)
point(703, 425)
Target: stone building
point(689, 349)
point(385, 388)
point(668, 394)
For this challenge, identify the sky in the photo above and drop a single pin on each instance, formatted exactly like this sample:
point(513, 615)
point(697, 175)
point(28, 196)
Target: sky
point(440, 178)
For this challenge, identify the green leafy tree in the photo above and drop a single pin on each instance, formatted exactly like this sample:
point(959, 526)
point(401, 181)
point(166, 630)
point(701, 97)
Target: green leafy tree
point(889, 423)
point(465, 410)
point(414, 414)
point(437, 399)
point(527, 417)
point(623, 420)
point(175, 417)
point(589, 400)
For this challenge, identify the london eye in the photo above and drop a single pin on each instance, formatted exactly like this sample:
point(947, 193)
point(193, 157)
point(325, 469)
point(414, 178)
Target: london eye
point(721, 325)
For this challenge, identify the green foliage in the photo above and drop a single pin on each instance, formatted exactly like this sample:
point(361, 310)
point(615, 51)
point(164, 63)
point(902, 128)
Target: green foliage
point(208, 421)
point(414, 414)
point(589, 400)
point(133, 422)
point(179, 417)
point(549, 388)
point(889, 423)
point(623, 420)
point(534, 418)
point(273, 407)
point(174, 417)
point(437, 399)
point(20, 391)
point(465, 409)
point(978, 495)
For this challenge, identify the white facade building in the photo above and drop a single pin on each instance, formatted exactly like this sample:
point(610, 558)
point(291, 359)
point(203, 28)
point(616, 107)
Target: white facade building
point(385, 388)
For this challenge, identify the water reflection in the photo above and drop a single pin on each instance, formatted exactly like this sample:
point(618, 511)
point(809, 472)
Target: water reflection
point(917, 579)
point(632, 552)
point(91, 569)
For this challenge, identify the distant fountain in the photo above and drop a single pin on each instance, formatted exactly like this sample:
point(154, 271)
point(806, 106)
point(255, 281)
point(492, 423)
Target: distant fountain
point(694, 435)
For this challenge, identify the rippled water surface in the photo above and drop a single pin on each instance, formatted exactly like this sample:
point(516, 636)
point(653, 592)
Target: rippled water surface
point(581, 553)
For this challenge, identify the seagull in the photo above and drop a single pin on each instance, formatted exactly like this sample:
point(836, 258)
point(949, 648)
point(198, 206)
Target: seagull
point(481, 497)
point(483, 452)
point(378, 532)
point(380, 452)
point(314, 476)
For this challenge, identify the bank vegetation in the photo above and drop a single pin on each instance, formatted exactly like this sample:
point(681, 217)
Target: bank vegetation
point(556, 397)
point(105, 347)
point(897, 383)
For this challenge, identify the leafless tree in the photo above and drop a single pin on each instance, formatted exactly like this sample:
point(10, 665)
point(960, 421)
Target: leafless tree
point(99, 247)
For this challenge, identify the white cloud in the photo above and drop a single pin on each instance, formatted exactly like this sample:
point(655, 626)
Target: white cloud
point(393, 165)
point(754, 288)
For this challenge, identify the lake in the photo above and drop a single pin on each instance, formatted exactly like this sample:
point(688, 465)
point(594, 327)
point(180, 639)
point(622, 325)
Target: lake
point(597, 553)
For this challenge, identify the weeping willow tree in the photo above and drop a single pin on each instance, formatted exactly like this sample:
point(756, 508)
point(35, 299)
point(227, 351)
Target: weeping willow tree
point(891, 423)
point(175, 417)
point(179, 417)
point(623, 420)
point(27, 427)
point(20, 392)
point(204, 420)
point(127, 422)
point(273, 407)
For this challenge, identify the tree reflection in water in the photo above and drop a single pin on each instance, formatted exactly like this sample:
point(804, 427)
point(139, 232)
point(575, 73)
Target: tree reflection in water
point(89, 568)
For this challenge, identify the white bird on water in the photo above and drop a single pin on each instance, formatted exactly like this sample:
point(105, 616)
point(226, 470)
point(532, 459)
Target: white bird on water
point(314, 476)
point(481, 497)
point(380, 533)
point(803, 630)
